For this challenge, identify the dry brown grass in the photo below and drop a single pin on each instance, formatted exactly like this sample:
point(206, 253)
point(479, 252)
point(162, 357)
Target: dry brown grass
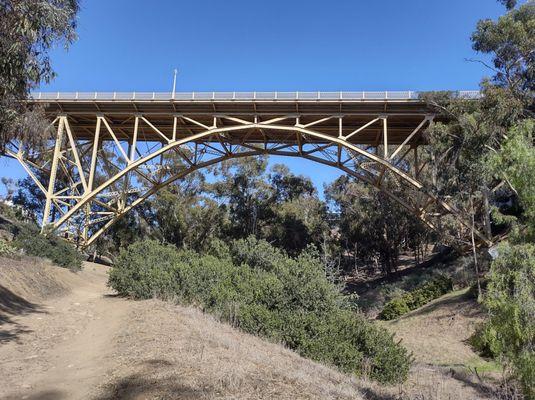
point(438, 332)
point(185, 354)
point(32, 278)
point(446, 367)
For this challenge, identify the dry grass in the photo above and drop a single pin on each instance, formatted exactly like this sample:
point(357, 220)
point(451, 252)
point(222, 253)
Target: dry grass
point(445, 366)
point(185, 354)
point(32, 278)
point(443, 328)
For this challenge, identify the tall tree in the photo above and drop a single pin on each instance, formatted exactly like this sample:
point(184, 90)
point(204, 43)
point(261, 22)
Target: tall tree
point(374, 229)
point(28, 30)
point(298, 217)
point(510, 41)
point(244, 190)
point(507, 111)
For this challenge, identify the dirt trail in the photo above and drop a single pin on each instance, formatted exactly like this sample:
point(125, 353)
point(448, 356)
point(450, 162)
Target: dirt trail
point(64, 349)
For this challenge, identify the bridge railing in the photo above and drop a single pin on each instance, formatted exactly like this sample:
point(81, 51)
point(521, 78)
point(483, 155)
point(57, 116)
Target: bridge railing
point(242, 96)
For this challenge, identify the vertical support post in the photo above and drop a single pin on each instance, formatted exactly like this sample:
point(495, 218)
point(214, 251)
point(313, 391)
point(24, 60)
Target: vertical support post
point(96, 143)
point(385, 138)
point(53, 171)
point(126, 182)
point(174, 127)
point(133, 144)
point(91, 178)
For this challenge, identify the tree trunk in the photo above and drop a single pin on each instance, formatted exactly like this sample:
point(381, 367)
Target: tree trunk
point(486, 212)
point(474, 249)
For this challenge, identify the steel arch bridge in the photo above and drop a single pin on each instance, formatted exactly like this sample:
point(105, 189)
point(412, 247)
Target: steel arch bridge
point(109, 152)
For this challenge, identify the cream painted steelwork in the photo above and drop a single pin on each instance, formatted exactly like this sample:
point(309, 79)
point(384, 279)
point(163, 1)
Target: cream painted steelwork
point(109, 152)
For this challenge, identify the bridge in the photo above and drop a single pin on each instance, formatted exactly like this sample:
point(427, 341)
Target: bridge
point(108, 152)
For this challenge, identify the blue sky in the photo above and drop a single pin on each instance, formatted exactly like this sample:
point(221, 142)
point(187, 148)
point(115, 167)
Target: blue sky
point(238, 45)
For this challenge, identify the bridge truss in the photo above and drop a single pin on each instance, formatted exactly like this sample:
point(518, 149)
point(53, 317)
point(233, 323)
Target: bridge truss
point(107, 154)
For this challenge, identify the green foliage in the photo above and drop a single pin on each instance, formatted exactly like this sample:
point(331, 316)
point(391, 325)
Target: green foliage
point(6, 250)
point(185, 216)
point(396, 307)
point(485, 341)
point(29, 196)
point(416, 298)
point(28, 30)
point(510, 40)
point(145, 270)
point(259, 289)
point(279, 206)
point(509, 334)
point(374, 227)
point(515, 162)
point(48, 246)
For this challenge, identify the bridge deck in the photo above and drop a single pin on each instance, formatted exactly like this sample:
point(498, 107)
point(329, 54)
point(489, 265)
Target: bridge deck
point(404, 111)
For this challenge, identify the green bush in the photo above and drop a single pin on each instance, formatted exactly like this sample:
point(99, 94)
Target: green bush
point(416, 298)
point(146, 270)
point(263, 291)
point(48, 246)
point(6, 250)
point(395, 308)
point(485, 341)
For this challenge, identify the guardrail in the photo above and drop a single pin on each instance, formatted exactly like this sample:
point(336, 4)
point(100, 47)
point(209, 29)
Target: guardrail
point(241, 96)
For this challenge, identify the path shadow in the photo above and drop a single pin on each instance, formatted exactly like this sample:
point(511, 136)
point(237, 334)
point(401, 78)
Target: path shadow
point(13, 334)
point(468, 379)
point(11, 305)
point(111, 295)
point(153, 381)
point(42, 395)
point(370, 394)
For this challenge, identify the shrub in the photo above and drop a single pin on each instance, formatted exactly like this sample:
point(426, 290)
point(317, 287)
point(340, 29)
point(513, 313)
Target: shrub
point(6, 250)
point(395, 308)
point(263, 291)
point(416, 298)
point(48, 246)
point(484, 340)
point(144, 270)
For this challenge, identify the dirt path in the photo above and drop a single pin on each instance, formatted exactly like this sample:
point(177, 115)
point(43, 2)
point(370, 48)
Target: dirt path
point(64, 349)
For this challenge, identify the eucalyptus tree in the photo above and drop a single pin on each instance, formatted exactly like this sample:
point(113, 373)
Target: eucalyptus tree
point(29, 29)
point(373, 228)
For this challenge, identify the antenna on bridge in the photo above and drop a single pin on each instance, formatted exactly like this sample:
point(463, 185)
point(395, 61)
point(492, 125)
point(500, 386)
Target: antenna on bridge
point(174, 82)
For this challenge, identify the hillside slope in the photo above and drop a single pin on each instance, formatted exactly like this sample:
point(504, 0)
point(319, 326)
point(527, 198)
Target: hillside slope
point(445, 365)
point(66, 336)
point(83, 342)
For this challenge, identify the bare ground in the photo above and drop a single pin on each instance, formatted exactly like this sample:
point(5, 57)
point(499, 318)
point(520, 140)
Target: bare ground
point(66, 336)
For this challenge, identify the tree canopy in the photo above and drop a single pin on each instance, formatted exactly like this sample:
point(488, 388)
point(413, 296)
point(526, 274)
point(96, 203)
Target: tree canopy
point(29, 29)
